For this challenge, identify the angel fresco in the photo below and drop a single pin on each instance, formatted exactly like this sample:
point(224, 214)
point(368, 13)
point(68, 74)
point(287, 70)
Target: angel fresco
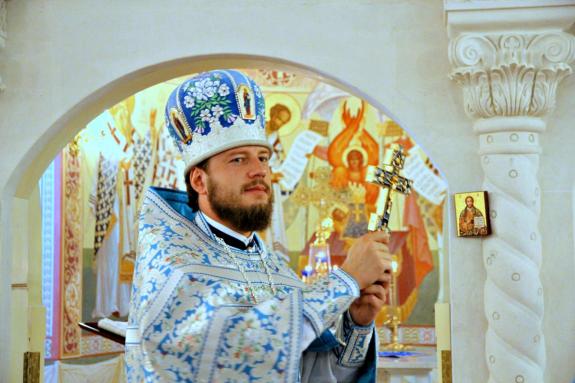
point(350, 153)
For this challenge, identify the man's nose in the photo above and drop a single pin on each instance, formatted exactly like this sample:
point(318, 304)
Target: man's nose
point(258, 169)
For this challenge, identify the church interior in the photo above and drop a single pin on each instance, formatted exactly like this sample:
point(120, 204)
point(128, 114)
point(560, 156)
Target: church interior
point(477, 95)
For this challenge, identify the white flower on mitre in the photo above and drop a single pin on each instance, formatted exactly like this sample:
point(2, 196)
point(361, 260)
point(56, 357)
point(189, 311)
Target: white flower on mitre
point(205, 115)
point(204, 83)
point(210, 91)
point(217, 111)
point(207, 86)
point(224, 90)
point(198, 93)
point(189, 101)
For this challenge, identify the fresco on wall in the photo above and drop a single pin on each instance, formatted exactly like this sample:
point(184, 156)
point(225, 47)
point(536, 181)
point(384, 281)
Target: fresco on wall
point(322, 138)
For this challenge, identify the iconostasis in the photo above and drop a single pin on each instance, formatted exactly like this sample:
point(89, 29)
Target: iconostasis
point(323, 139)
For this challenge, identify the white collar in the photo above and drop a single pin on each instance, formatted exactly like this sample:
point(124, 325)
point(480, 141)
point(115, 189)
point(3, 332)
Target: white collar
point(227, 230)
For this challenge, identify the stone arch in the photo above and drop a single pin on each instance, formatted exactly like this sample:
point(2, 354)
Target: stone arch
point(16, 197)
point(28, 171)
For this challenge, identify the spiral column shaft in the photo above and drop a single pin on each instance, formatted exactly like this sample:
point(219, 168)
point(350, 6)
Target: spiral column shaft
point(514, 345)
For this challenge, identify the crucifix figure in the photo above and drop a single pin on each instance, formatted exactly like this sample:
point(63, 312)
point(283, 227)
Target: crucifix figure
point(389, 179)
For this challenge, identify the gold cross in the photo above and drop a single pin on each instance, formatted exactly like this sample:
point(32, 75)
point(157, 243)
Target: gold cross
point(127, 183)
point(389, 179)
point(357, 211)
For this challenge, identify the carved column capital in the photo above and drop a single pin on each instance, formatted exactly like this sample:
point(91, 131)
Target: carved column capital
point(511, 74)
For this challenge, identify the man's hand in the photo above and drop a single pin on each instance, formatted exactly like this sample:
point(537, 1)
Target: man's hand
point(368, 259)
point(364, 309)
point(369, 263)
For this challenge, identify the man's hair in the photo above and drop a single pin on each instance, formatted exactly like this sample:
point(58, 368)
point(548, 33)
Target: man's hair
point(192, 194)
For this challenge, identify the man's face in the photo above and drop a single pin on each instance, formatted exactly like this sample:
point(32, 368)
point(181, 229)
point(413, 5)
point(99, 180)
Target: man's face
point(469, 201)
point(239, 187)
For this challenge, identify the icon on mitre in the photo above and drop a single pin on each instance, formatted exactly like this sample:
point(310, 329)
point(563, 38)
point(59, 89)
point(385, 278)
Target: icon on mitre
point(183, 131)
point(246, 102)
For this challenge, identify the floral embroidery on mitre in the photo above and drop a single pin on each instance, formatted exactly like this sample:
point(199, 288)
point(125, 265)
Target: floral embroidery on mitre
point(213, 112)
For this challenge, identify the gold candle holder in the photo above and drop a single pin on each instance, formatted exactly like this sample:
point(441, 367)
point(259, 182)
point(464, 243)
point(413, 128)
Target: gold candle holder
point(394, 318)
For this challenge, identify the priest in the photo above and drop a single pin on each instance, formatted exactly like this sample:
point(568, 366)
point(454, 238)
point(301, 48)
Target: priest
point(210, 303)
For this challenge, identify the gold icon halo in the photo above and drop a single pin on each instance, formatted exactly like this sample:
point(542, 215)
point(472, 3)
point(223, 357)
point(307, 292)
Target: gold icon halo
point(291, 104)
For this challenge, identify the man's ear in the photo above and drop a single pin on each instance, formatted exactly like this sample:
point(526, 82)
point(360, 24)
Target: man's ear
point(198, 181)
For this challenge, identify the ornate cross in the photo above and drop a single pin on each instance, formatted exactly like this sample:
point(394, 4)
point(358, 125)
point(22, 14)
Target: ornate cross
point(389, 179)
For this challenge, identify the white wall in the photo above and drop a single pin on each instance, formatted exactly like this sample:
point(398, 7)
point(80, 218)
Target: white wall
point(557, 175)
point(63, 56)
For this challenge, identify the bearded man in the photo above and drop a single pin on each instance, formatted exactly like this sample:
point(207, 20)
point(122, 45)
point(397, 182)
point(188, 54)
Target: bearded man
point(209, 301)
point(471, 221)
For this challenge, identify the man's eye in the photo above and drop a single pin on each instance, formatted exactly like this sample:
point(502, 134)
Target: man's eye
point(264, 158)
point(237, 160)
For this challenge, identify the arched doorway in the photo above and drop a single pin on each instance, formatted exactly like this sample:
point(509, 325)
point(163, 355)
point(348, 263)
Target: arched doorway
point(17, 199)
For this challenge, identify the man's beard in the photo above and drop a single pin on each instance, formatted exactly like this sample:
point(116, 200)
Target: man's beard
point(227, 205)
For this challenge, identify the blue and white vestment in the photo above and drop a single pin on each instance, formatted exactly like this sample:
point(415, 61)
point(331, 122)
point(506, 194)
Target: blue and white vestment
point(192, 320)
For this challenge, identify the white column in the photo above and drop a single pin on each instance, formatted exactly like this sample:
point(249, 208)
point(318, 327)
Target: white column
point(509, 82)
